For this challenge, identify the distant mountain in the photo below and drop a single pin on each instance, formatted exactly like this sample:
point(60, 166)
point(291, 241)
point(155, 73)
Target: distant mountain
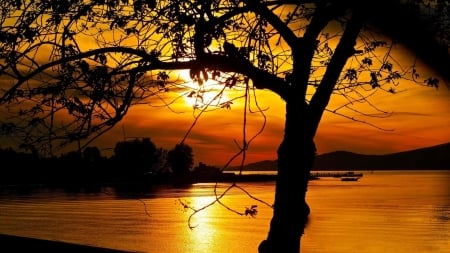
point(432, 158)
point(262, 165)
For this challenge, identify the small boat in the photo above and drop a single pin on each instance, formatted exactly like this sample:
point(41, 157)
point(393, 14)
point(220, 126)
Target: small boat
point(349, 178)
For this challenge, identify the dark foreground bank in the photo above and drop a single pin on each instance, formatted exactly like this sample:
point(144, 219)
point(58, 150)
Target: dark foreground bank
point(13, 244)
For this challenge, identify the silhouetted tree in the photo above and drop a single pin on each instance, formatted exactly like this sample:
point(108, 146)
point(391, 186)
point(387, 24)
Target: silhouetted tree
point(95, 165)
point(181, 159)
point(71, 157)
point(160, 165)
point(305, 51)
point(135, 157)
point(92, 154)
point(18, 167)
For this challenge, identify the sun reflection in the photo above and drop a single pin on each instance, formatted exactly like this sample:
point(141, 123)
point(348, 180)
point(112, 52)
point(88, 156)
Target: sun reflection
point(205, 231)
point(214, 225)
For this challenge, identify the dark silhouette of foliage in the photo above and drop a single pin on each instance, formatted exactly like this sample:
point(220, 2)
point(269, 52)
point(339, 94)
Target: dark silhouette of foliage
point(160, 165)
point(92, 154)
point(181, 159)
point(74, 68)
point(135, 160)
point(137, 155)
point(15, 166)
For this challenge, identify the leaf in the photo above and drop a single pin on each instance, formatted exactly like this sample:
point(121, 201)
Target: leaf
point(192, 73)
point(350, 74)
point(84, 66)
point(252, 211)
point(205, 75)
point(230, 82)
point(191, 94)
point(226, 105)
point(432, 82)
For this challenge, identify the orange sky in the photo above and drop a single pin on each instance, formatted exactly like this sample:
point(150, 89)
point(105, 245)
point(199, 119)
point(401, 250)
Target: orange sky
point(419, 117)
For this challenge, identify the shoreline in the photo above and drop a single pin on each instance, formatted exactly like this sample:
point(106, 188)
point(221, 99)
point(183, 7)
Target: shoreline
point(14, 243)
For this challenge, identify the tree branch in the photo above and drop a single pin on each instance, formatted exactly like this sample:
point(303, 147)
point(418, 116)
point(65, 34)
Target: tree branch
point(344, 50)
point(282, 28)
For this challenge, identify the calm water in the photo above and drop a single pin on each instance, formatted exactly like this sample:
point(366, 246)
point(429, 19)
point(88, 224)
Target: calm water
point(392, 212)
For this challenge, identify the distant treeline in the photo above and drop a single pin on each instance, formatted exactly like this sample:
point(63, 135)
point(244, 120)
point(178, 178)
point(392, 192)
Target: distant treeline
point(133, 161)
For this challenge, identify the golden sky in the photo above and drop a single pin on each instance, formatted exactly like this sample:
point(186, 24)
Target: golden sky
point(417, 116)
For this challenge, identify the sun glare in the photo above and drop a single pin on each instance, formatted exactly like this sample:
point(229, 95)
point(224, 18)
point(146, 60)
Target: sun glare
point(209, 94)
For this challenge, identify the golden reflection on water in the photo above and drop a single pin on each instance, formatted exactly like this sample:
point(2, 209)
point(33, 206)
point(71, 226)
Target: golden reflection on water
point(399, 212)
point(224, 226)
point(204, 230)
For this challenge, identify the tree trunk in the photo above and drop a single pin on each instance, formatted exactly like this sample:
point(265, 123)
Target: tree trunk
point(295, 160)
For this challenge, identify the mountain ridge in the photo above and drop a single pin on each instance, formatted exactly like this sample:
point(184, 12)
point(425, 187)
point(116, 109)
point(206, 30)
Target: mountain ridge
point(429, 158)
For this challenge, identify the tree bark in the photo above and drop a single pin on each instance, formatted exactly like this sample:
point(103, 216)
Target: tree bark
point(296, 156)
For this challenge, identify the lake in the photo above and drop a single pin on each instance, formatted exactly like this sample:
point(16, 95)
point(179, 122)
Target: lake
point(384, 211)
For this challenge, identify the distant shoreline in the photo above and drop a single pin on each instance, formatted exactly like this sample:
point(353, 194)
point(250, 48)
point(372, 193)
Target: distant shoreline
point(255, 170)
point(430, 158)
point(225, 177)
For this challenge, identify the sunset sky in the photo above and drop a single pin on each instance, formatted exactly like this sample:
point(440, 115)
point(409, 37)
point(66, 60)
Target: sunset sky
point(417, 116)
point(414, 117)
